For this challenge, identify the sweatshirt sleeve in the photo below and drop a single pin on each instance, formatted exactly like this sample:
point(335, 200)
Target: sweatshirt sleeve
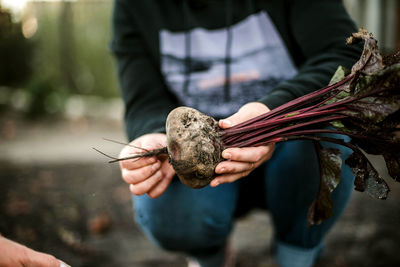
point(319, 29)
point(146, 98)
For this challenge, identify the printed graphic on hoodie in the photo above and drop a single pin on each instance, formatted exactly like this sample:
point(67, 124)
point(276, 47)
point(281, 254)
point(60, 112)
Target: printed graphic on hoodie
point(258, 62)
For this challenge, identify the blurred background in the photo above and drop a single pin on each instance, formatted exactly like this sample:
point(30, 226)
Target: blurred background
point(59, 98)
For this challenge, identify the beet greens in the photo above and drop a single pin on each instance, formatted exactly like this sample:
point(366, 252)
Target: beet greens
point(362, 103)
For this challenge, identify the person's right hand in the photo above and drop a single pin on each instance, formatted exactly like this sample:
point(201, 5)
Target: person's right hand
point(150, 175)
point(17, 255)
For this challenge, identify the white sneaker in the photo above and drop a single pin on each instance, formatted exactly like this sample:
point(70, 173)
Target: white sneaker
point(229, 261)
point(192, 262)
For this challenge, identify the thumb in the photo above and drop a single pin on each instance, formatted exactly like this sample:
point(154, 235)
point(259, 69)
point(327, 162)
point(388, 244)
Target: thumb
point(230, 121)
point(246, 112)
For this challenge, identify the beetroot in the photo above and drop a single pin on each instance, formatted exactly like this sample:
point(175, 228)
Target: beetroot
point(194, 146)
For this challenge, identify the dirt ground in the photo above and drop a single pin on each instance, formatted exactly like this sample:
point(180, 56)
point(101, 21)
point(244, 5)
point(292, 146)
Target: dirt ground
point(59, 196)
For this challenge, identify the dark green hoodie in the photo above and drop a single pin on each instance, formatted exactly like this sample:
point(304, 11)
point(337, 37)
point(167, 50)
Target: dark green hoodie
point(216, 55)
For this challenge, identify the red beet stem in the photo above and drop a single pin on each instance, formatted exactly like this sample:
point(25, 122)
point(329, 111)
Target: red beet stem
point(296, 103)
point(281, 120)
point(293, 119)
point(273, 134)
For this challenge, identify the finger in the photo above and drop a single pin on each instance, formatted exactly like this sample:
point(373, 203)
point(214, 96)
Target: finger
point(168, 174)
point(160, 188)
point(231, 121)
point(248, 154)
point(139, 175)
point(145, 186)
point(225, 123)
point(227, 167)
point(246, 112)
point(228, 178)
point(38, 259)
point(132, 164)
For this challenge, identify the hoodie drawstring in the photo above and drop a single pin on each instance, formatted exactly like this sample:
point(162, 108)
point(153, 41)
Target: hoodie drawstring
point(228, 47)
point(227, 96)
point(188, 60)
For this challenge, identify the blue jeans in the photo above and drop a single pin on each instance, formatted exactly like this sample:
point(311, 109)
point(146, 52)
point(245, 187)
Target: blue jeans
point(199, 221)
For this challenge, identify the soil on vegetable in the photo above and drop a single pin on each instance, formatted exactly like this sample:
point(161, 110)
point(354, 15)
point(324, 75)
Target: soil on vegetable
point(194, 146)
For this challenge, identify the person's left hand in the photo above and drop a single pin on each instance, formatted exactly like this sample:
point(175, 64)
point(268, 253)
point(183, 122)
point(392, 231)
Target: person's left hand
point(241, 161)
point(17, 255)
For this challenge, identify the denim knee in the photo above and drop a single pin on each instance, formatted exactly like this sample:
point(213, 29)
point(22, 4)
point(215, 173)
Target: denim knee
point(184, 233)
point(291, 190)
point(188, 224)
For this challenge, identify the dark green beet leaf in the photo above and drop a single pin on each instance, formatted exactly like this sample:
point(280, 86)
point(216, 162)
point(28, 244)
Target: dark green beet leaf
point(330, 167)
point(393, 164)
point(371, 60)
point(366, 177)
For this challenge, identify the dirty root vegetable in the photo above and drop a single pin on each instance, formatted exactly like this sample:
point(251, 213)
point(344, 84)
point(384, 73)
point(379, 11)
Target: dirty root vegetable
point(194, 146)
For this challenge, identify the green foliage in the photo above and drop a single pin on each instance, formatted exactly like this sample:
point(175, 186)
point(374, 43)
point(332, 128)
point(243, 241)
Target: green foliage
point(15, 52)
point(68, 54)
point(45, 98)
point(72, 46)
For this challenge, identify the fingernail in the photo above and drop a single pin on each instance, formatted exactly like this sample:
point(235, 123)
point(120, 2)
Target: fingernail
point(226, 123)
point(63, 264)
point(131, 188)
point(222, 170)
point(215, 184)
point(227, 155)
point(158, 175)
point(156, 165)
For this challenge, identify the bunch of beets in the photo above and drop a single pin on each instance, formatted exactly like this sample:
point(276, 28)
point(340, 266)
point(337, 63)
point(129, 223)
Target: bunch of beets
point(362, 103)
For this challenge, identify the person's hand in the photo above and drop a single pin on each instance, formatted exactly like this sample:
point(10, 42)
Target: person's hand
point(241, 161)
point(150, 175)
point(17, 255)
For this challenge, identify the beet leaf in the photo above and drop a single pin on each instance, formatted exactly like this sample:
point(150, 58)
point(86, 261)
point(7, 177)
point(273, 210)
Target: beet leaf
point(330, 166)
point(363, 103)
